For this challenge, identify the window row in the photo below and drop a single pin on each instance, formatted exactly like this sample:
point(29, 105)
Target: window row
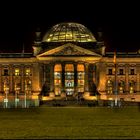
point(17, 86)
point(121, 86)
point(16, 72)
point(111, 71)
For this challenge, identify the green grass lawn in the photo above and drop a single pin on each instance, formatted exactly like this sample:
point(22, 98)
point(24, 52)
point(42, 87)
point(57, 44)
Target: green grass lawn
point(70, 123)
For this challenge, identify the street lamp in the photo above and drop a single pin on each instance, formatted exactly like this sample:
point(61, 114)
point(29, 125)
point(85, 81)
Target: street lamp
point(115, 89)
point(25, 102)
point(25, 94)
point(16, 96)
point(6, 90)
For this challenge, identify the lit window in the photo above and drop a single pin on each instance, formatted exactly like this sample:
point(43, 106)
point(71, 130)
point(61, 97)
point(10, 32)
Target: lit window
point(27, 72)
point(69, 67)
point(132, 86)
point(17, 86)
point(69, 79)
point(133, 99)
point(80, 76)
point(109, 87)
point(6, 87)
point(120, 89)
point(57, 79)
point(17, 72)
point(121, 86)
point(28, 85)
point(58, 67)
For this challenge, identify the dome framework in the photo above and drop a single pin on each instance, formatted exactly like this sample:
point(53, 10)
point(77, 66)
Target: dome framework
point(69, 32)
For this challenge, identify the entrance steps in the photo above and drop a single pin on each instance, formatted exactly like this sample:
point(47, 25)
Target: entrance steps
point(69, 102)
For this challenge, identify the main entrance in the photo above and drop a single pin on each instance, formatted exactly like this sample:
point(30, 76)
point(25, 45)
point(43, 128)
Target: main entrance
point(69, 78)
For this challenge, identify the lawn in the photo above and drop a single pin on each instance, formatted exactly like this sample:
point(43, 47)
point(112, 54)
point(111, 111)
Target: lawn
point(70, 123)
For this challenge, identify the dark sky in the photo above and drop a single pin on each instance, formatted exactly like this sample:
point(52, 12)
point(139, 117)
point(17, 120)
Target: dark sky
point(119, 22)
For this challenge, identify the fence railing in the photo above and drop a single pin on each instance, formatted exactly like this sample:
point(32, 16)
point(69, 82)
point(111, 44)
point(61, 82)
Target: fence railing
point(18, 102)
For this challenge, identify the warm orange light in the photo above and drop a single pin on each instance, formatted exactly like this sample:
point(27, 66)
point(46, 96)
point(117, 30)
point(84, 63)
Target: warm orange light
point(114, 57)
point(80, 67)
point(69, 67)
point(58, 67)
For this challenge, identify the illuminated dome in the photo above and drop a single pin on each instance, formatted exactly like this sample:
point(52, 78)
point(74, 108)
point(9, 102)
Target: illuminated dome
point(69, 32)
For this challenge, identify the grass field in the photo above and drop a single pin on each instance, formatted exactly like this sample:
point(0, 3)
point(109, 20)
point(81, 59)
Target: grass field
point(70, 123)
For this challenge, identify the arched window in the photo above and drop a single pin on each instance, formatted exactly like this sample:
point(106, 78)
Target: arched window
point(69, 67)
point(57, 79)
point(27, 71)
point(17, 72)
point(58, 68)
point(69, 79)
point(80, 77)
point(80, 67)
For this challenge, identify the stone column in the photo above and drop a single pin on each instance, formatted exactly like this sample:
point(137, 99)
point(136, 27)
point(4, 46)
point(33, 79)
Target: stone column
point(44, 73)
point(86, 77)
point(52, 77)
point(52, 94)
point(36, 79)
point(0, 79)
point(86, 92)
point(22, 78)
point(63, 76)
point(127, 78)
point(137, 83)
point(138, 78)
point(102, 78)
point(11, 69)
point(63, 94)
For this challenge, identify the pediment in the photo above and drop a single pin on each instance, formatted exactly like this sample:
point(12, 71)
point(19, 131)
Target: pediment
point(68, 49)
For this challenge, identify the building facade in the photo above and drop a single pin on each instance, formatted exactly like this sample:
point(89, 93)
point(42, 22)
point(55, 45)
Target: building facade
point(69, 62)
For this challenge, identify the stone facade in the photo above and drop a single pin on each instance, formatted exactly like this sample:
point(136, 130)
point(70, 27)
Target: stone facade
point(70, 69)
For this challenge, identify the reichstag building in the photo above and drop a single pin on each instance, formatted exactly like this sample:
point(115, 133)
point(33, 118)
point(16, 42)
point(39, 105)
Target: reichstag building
point(68, 61)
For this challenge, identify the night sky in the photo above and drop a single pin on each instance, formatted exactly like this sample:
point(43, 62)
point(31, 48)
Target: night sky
point(118, 21)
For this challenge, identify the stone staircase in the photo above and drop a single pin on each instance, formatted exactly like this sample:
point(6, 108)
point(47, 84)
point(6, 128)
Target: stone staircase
point(69, 102)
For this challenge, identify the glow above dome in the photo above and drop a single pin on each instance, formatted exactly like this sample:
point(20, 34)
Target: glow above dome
point(69, 32)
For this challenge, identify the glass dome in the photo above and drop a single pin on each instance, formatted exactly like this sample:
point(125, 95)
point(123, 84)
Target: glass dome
point(69, 32)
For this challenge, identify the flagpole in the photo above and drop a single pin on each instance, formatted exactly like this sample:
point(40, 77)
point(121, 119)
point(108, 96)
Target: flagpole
point(116, 100)
point(25, 103)
point(6, 96)
point(115, 89)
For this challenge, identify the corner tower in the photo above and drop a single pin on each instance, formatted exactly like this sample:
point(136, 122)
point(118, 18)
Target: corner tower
point(37, 43)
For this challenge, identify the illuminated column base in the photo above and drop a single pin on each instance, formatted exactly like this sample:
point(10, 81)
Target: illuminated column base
point(87, 96)
point(35, 97)
point(51, 94)
point(103, 97)
point(36, 93)
point(116, 101)
point(46, 98)
point(63, 94)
